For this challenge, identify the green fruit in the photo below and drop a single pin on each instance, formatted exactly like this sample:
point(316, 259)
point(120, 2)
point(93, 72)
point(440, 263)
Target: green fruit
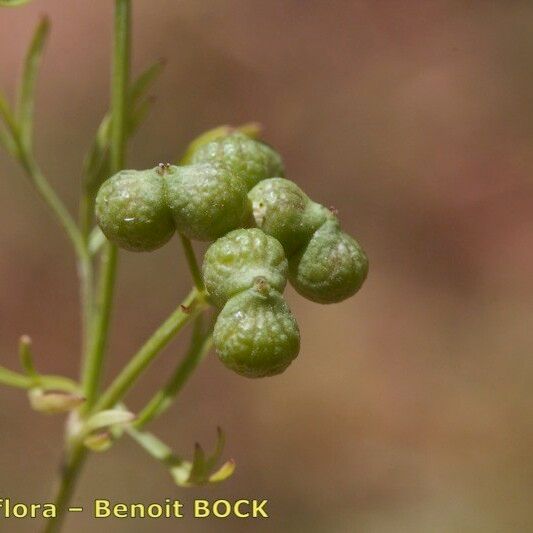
point(252, 160)
point(233, 262)
point(206, 200)
point(256, 334)
point(132, 212)
point(331, 268)
point(283, 210)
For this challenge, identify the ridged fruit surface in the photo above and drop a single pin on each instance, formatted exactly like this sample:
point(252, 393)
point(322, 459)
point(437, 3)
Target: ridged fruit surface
point(206, 200)
point(233, 262)
point(256, 334)
point(252, 160)
point(331, 268)
point(281, 209)
point(132, 212)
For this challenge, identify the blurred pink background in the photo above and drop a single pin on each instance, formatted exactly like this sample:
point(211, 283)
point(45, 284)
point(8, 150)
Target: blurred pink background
point(409, 408)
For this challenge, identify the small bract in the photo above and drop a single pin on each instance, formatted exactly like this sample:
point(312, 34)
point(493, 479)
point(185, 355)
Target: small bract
point(256, 334)
point(331, 268)
point(132, 212)
point(252, 160)
point(206, 200)
point(283, 210)
point(233, 262)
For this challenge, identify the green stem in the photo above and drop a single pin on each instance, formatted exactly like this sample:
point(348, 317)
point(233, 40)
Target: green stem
point(14, 379)
point(93, 369)
point(93, 366)
point(43, 188)
point(47, 382)
point(154, 446)
point(192, 262)
point(162, 399)
point(50, 197)
point(119, 83)
point(191, 307)
point(85, 274)
point(69, 475)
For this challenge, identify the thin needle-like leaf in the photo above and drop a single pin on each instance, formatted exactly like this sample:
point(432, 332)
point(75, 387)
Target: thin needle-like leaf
point(224, 472)
point(198, 470)
point(139, 114)
point(145, 79)
point(215, 457)
point(7, 142)
point(14, 379)
point(8, 135)
point(13, 3)
point(96, 159)
point(7, 116)
point(26, 356)
point(26, 94)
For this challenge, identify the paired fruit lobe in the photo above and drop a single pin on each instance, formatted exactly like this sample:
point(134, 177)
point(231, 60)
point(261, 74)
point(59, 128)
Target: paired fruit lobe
point(281, 209)
point(132, 212)
point(331, 268)
point(206, 200)
point(233, 262)
point(256, 334)
point(252, 160)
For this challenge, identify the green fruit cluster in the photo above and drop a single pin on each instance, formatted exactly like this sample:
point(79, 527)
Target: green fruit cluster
point(266, 231)
point(140, 210)
point(325, 264)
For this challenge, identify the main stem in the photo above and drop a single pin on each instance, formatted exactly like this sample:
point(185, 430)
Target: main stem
point(119, 107)
point(75, 454)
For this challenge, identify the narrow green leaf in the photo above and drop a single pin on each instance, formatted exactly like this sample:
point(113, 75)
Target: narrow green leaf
point(26, 356)
point(13, 3)
point(14, 379)
point(97, 160)
point(223, 473)
point(184, 473)
point(154, 446)
point(139, 114)
point(198, 470)
point(7, 141)
point(26, 94)
point(215, 457)
point(7, 116)
point(141, 85)
point(96, 165)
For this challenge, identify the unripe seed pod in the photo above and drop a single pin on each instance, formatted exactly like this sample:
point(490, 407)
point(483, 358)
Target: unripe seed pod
point(131, 210)
point(256, 334)
point(233, 262)
point(252, 160)
point(331, 268)
point(206, 200)
point(283, 210)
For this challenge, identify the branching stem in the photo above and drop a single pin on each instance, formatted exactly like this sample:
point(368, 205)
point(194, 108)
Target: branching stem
point(200, 346)
point(191, 307)
point(192, 262)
